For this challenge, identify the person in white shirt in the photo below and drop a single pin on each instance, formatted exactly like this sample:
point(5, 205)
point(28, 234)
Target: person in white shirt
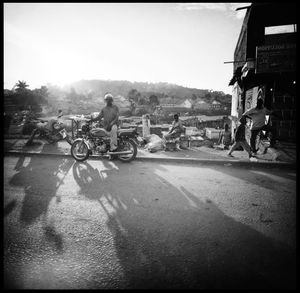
point(258, 116)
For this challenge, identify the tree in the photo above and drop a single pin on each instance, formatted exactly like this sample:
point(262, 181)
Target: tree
point(40, 96)
point(141, 112)
point(25, 99)
point(21, 86)
point(134, 95)
point(142, 101)
point(74, 97)
point(194, 97)
point(208, 96)
point(153, 99)
point(132, 106)
point(44, 91)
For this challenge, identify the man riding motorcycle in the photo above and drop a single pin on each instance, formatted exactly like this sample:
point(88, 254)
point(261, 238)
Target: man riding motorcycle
point(110, 115)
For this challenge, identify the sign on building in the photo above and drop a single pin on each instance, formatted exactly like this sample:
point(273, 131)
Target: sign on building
point(276, 58)
point(252, 95)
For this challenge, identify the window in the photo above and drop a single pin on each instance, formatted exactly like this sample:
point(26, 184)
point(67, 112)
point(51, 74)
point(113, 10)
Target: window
point(280, 29)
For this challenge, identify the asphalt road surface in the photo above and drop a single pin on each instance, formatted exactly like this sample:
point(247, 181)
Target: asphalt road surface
point(107, 224)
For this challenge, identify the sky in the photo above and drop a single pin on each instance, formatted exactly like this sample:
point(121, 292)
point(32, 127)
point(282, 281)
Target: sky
point(180, 43)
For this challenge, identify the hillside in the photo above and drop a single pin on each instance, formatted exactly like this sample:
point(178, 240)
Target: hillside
point(122, 87)
point(85, 96)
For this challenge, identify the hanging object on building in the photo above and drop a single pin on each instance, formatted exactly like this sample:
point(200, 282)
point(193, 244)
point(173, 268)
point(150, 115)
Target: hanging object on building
point(253, 94)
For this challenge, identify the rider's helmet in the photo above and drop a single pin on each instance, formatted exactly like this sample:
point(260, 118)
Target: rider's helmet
point(108, 97)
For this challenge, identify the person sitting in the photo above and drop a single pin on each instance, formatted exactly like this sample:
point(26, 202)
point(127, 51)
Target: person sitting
point(225, 137)
point(175, 130)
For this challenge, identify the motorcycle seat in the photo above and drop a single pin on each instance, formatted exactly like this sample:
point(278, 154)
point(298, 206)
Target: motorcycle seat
point(99, 132)
point(126, 132)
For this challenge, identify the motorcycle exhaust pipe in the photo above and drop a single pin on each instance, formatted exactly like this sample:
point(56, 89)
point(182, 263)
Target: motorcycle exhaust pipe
point(120, 153)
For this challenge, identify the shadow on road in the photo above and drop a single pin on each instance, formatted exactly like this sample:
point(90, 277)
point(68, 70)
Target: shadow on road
point(9, 207)
point(40, 182)
point(262, 175)
point(165, 237)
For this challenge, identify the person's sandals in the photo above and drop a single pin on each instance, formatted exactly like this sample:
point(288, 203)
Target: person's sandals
point(230, 155)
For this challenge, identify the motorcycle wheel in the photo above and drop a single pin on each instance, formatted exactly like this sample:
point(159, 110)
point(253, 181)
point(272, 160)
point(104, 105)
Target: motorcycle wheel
point(127, 145)
point(80, 151)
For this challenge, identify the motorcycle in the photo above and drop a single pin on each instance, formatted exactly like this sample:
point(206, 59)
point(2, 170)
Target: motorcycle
point(96, 141)
point(52, 131)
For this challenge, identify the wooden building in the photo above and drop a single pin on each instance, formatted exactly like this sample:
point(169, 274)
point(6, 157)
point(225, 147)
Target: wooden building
point(265, 65)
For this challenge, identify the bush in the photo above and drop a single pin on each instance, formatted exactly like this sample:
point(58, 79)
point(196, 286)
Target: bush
point(141, 112)
point(127, 113)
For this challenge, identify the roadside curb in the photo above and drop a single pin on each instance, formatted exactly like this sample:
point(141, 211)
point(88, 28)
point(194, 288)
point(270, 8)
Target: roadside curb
point(168, 160)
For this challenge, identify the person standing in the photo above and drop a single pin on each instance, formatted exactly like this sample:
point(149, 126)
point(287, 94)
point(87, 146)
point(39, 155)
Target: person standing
point(110, 115)
point(225, 137)
point(258, 117)
point(240, 139)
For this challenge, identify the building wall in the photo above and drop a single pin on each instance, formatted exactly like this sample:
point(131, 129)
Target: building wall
point(252, 31)
point(240, 53)
point(275, 84)
point(284, 106)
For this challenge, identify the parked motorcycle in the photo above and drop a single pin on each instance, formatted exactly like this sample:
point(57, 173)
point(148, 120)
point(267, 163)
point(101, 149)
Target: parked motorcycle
point(52, 131)
point(98, 143)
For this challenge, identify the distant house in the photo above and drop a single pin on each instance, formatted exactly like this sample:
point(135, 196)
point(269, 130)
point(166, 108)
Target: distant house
point(202, 105)
point(215, 105)
point(187, 104)
point(172, 108)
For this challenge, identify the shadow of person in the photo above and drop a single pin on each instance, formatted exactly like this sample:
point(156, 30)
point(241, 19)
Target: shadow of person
point(40, 181)
point(243, 258)
point(9, 207)
point(165, 237)
point(263, 176)
point(89, 179)
point(53, 237)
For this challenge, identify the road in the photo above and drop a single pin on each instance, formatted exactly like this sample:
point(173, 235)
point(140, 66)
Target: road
point(107, 224)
